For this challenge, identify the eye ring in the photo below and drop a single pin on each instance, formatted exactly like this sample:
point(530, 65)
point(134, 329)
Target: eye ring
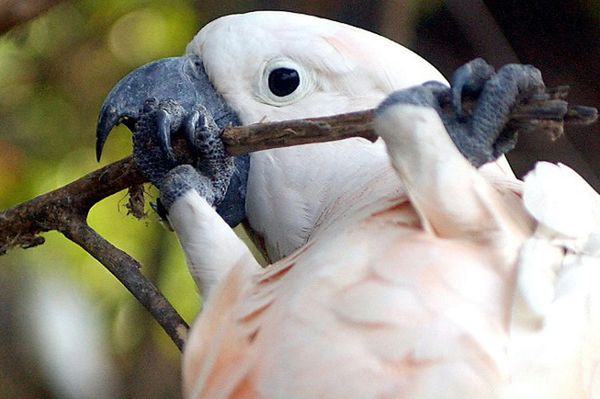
point(283, 82)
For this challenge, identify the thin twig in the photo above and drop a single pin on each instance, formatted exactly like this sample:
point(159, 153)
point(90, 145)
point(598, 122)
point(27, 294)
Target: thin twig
point(127, 271)
point(264, 136)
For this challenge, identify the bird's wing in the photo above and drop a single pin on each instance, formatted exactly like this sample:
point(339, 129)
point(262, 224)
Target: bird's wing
point(556, 317)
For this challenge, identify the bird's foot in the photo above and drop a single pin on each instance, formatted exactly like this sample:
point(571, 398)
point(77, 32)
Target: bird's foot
point(480, 132)
point(208, 171)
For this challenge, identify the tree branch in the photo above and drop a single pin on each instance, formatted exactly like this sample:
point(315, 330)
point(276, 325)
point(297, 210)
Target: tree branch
point(127, 271)
point(66, 209)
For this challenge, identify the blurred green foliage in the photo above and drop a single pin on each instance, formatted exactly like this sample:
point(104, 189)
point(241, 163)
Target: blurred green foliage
point(54, 74)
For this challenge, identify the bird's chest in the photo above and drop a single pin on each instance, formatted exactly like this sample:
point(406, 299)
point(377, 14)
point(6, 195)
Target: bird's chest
point(292, 191)
point(385, 293)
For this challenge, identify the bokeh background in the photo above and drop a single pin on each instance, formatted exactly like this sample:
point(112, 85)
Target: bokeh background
point(68, 329)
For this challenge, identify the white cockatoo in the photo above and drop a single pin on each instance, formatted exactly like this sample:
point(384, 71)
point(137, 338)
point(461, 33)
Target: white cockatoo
point(400, 269)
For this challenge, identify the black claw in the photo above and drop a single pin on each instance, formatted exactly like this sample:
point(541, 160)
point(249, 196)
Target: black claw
point(163, 126)
point(189, 129)
point(469, 79)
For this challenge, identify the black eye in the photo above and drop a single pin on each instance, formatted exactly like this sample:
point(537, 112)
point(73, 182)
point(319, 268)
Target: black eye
point(283, 81)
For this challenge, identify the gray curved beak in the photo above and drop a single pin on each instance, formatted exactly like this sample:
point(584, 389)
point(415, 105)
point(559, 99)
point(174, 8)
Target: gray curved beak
point(180, 78)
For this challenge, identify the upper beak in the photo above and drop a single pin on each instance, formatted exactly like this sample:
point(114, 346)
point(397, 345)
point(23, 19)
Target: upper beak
point(180, 78)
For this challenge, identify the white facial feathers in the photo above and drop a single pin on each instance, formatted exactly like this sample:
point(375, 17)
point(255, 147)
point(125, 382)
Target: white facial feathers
point(341, 68)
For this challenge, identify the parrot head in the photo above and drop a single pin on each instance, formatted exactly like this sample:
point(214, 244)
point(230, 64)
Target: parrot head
point(269, 66)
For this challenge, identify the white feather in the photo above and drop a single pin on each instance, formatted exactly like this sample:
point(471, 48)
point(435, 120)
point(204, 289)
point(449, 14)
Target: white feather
point(567, 210)
point(562, 202)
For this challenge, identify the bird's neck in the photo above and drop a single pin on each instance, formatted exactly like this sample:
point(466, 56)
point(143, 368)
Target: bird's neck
point(295, 192)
